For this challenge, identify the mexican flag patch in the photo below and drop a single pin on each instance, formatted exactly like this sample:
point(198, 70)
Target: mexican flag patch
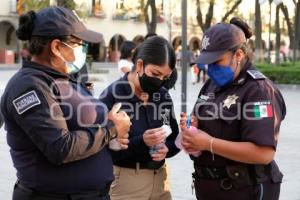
point(262, 111)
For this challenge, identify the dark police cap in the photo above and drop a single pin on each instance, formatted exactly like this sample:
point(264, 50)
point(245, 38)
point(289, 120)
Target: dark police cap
point(217, 40)
point(58, 21)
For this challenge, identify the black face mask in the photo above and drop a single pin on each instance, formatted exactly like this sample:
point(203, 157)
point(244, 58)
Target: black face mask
point(149, 84)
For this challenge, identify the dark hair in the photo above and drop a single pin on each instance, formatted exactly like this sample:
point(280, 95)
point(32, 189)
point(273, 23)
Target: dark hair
point(155, 50)
point(246, 30)
point(242, 25)
point(171, 81)
point(26, 25)
point(24, 32)
point(149, 35)
point(126, 49)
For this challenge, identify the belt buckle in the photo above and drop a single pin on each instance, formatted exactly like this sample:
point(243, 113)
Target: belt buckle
point(226, 184)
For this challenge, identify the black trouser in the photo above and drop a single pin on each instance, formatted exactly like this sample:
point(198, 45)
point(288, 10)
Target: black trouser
point(23, 193)
point(211, 190)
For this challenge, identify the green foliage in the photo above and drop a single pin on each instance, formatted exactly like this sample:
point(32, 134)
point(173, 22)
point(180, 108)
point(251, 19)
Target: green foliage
point(83, 11)
point(67, 3)
point(36, 5)
point(286, 73)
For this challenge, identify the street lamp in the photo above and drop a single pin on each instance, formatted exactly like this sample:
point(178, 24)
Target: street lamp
point(184, 55)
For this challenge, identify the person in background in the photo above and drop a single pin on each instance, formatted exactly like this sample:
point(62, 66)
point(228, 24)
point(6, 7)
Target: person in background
point(284, 50)
point(237, 118)
point(202, 68)
point(125, 63)
point(140, 171)
point(192, 64)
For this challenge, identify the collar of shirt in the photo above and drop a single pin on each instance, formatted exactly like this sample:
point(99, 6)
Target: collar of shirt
point(52, 72)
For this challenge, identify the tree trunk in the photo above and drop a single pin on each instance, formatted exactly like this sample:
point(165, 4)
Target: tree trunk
point(199, 16)
point(297, 32)
point(209, 15)
point(151, 25)
point(288, 22)
point(142, 2)
point(258, 30)
point(237, 3)
point(277, 27)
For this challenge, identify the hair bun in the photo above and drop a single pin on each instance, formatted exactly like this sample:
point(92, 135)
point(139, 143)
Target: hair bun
point(242, 25)
point(26, 24)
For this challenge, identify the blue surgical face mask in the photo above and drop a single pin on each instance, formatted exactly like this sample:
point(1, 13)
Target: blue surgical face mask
point(221, 75)
point(80, 58)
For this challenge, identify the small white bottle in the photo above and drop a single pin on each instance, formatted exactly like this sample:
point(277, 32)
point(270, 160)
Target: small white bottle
point(154, 149)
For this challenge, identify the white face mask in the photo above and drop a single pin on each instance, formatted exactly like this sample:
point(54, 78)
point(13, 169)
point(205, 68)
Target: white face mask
point(80, 58)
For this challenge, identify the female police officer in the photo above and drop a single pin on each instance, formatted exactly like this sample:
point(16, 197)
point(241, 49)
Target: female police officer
point(53, 124)
point(238, 115)
point(140, 171)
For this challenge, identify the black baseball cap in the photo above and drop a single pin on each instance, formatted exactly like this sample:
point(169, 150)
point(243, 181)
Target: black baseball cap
point(219, 39)
point(59, 21)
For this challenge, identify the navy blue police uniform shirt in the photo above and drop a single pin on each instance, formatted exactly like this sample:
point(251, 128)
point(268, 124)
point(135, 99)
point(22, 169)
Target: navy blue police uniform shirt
point(143, 117)
point(249, 110)
point(52, 129)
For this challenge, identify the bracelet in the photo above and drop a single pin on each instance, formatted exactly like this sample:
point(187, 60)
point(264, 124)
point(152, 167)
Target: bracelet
point(211, 148)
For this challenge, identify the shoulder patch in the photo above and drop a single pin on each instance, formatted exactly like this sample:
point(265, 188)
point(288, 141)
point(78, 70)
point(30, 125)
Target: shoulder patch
point(26, 101)
point(256, 74)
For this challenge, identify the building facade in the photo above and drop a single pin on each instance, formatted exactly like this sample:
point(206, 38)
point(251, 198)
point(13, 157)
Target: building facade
point(117, 20)
point(9, 44)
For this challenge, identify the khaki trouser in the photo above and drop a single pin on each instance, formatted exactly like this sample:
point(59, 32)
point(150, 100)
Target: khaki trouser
point(140, 184)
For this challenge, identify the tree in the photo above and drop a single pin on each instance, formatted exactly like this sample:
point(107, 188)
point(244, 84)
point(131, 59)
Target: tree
point(151, 24)
point(285, 12)
point(36, 5)
point(67, 4)
point(230, 11)
point(277, 31)
point(258, 32)
point(297, 31)
point(210, 13)
point(293, 31)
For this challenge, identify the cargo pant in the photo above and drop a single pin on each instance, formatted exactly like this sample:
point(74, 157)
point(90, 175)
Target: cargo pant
point(140, 184)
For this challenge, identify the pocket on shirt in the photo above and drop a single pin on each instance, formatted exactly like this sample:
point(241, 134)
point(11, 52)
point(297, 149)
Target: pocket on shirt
point(230, 129)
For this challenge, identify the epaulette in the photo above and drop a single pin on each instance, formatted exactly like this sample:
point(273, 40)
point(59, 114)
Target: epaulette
point(257, 75)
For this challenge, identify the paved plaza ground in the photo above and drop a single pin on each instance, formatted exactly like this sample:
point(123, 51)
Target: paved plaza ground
point(287, 156)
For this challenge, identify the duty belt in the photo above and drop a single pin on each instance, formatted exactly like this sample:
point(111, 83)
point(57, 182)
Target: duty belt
point(141, 165)
point(35, 193)
point(238, 176)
